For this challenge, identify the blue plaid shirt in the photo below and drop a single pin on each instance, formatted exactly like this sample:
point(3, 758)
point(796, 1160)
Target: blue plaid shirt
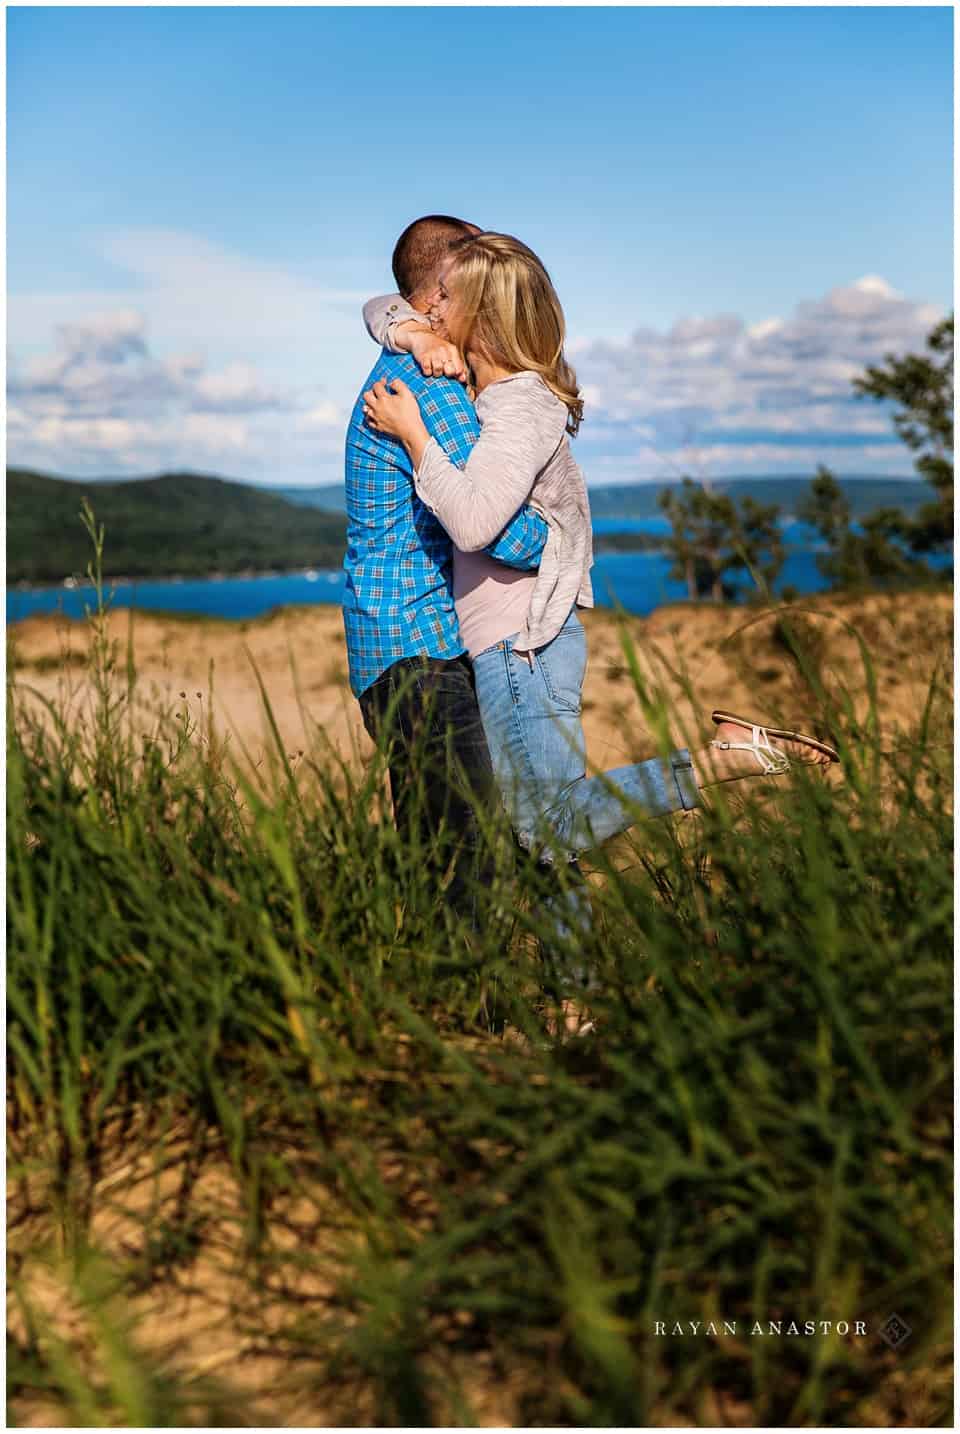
point(398, 596)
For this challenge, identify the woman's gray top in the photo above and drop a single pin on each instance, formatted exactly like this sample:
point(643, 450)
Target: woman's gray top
point(522, 456)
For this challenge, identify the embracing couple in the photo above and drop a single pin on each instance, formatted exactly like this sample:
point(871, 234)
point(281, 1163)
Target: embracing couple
point(469, 553)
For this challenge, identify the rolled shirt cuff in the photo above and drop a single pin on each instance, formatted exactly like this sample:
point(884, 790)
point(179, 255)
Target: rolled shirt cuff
point(382, 317)
point(400, 312)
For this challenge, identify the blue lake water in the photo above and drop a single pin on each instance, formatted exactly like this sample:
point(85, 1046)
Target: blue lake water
point(637, 581)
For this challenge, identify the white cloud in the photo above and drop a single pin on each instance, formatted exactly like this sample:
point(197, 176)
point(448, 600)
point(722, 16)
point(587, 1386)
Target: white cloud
point(103, 404)
point(651, 464)
point(189, 328)
point(237, 388)
point(212, 359)
point(111, 336)
point(323, 415)
point(764, 328)
point(199, 295)
point(874, 284)
point(104, 366)
point(782, 376)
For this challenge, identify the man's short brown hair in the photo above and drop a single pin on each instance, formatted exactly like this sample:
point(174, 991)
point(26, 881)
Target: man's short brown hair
point(422, 245)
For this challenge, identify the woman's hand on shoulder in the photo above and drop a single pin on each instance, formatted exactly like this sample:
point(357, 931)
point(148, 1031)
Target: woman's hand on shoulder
point(436, 357)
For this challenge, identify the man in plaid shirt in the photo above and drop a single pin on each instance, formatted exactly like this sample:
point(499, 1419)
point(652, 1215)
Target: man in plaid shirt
point(408, 665)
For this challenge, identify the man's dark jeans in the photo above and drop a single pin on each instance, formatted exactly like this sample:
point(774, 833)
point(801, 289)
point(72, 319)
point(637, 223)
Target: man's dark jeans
point(425, 710)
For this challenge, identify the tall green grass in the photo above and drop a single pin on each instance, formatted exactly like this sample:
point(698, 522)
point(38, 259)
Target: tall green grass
point(212, 967)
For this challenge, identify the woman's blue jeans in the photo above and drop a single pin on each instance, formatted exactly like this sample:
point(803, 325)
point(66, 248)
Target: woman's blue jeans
point(531, 715)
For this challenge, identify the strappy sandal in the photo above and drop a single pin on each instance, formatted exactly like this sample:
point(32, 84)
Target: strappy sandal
point(585, 1027)
point(772, 760)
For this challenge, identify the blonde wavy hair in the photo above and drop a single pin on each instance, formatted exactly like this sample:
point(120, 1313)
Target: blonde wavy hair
point(506, 305)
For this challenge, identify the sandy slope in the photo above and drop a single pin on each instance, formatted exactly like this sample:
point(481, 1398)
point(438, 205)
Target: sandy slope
point(729, 656)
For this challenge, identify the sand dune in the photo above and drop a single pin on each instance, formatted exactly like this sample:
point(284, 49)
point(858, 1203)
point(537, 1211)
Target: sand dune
point(702, 655)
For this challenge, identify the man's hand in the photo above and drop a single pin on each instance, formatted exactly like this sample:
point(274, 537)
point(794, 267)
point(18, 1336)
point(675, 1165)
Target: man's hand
point(436, 357)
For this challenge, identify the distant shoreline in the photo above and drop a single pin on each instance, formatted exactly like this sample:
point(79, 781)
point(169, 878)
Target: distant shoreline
point(631, 545)
point(124, 580)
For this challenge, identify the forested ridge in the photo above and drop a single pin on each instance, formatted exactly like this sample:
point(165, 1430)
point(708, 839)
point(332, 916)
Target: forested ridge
point(177, 524)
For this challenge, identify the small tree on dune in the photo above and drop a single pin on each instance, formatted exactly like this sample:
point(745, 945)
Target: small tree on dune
point(922, 387)
point(853, 559)
point(880, 552)
point(758, 542)
point(711, 539)
point(701, 523)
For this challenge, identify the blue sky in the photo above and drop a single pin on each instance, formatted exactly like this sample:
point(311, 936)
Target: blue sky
point(739, 207)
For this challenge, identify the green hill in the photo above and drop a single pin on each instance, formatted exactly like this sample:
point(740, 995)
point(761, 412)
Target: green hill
point(183, 524)
point(175, 524)
point(330, 496)
point(639, 500)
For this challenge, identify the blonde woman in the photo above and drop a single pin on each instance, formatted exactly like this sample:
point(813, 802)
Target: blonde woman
point(495, 312)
